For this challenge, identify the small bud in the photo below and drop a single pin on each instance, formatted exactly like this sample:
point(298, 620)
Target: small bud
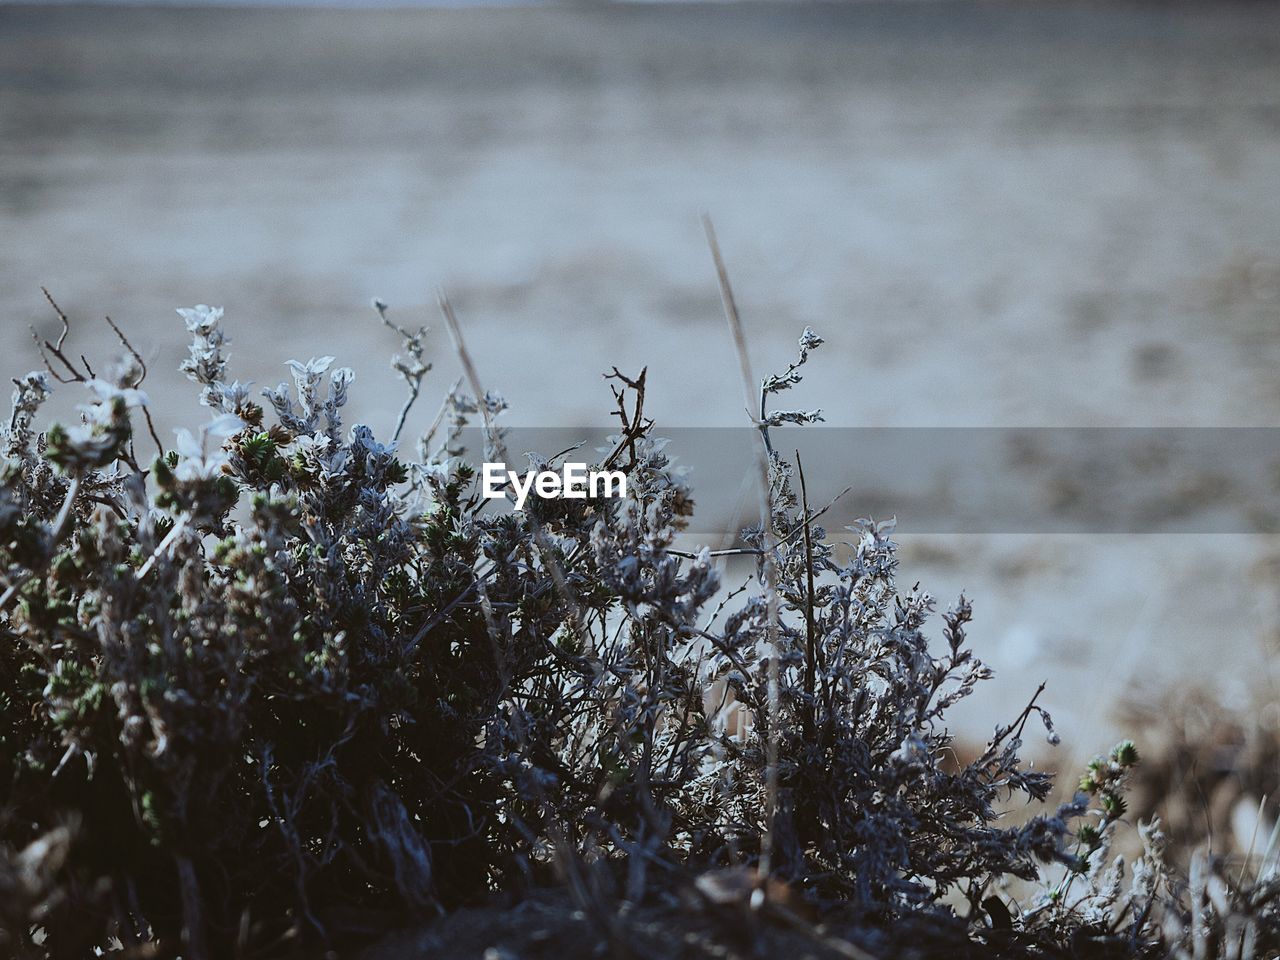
point(1124, 753)
point(1113, 805)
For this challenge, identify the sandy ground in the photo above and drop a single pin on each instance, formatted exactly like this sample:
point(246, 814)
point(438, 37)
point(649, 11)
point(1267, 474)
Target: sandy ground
point(999, 215)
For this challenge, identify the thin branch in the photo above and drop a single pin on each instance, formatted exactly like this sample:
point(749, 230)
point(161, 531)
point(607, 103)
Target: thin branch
point(634, 424)
point(769, 568)
point(424, 443)
point(54, 348)
point(66, 324)
point(724, 602)
point(727, 552)
point(411, 375)
point(178, 526)
point(142, 364)
point(1016, 728)
point(754, 552)
point(569, 449)
point(811, 644)
point(14, 588)
point(469, 368)
point(499, 450)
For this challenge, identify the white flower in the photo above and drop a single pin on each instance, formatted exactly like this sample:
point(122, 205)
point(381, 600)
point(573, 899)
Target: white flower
point(206, 361)
point(234, 395)
point(198, 461)
point(106, 392)
point(201, 318)
point(435, 471)
point(318, 454)
point(311, 370)
point(221, 427)
point(913, 750)
point(306, 378)
point(92, 443)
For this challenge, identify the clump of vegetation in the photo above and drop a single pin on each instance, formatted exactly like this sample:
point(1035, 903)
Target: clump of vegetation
point(284, 686)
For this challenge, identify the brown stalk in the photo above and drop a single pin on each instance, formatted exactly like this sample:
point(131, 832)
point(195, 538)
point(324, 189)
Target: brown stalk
point(811, 644)
point(769, 568)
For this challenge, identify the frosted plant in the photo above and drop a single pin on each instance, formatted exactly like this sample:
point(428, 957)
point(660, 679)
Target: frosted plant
point(285, 680)
point(29, 393)
point(206, 360)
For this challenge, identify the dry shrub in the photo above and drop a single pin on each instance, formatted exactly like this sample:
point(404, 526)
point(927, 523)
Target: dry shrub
point(286, 685)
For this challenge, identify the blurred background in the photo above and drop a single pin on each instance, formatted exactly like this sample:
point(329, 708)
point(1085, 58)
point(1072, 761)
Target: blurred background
point(998, 214)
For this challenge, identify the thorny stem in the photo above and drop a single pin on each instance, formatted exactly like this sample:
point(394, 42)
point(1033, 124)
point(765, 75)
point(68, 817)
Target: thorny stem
point(1020, 723)
point(724, 602)
point(768, 564)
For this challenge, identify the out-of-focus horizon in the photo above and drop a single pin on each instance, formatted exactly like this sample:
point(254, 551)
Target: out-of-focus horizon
point(997, 214)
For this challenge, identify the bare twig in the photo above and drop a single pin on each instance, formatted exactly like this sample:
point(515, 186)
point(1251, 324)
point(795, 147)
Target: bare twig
point(469, 368)
point(142, 364)
point(769, 568)
point(14, 588)
point(499, 450)
point(811, 644)
point(424, 442)
point(752, 551)
point(178, 526)
point(412, 371)
point(634, 424)
point(54, 348)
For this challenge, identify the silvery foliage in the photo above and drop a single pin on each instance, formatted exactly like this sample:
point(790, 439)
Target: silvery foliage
point(29, 393)
point(1220, 908)
point(206, 362)
point(279, 682)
